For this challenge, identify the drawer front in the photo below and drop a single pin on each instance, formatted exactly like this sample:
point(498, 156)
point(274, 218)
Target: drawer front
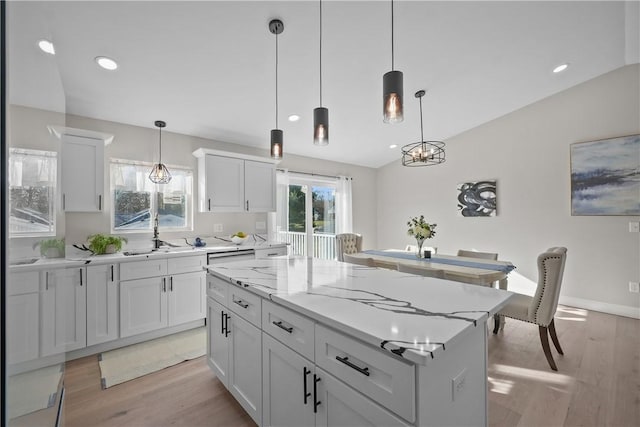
point(245, 304)
point(266, 253)
point(186, 264)
point(25, 282)
point(217, 289)
point(143, 269)
point(386, 380)
point(288, 327)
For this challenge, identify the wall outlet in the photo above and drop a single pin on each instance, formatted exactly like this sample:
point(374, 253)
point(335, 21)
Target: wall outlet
point(261, 225)
point(634, 287)
point(217, 228)
point(458, 384)
point(634, 227)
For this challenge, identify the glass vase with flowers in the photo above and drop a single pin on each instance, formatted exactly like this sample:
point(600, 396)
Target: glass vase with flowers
point(421, 230)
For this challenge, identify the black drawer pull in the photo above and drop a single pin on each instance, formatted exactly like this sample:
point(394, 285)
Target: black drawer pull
point(307, 394)
point(281, 326)
point(316, 402)
point(241, 304)
point(226, 325)
point(345, 360)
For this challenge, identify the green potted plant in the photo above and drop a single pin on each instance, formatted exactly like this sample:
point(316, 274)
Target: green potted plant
point(51, 248)
point(101, 244)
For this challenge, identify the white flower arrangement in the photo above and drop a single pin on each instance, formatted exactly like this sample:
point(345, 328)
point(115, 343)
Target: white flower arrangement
point(420, 229)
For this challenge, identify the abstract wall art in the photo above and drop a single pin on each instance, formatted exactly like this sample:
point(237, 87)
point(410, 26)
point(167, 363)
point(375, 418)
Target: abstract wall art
point(605, 177)
point(477, 198)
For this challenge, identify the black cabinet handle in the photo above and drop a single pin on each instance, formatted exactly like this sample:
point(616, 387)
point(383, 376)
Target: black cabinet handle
point(247, 205)
point(171, 283)
point(345, 360)
point(100, 202)
point(209, 204)
point(164, 284)
point(112, 272)
point(307, 394)
point(221, 322)
point(316, 402)
point(241, 304)
point(46, 281)
point(281, 326)
point(64, 201)
point(226, 325)
point(80, 277)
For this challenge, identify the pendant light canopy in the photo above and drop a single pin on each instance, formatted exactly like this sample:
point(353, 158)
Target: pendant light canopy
point(320, 114)
point(423, 153)
point(276, 27)
point(392, 89)
point(160, 174)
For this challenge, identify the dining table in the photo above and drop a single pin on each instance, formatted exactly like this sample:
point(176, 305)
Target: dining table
point(477, 271)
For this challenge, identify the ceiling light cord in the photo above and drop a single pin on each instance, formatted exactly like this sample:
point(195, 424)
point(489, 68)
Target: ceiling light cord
point(276, 80)
point(421, 129)
point(320, 53)
point(392, 50)
point(160, 161)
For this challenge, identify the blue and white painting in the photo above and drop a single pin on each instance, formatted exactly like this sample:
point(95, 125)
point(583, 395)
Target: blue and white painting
point(605, 177)
point(477, 198)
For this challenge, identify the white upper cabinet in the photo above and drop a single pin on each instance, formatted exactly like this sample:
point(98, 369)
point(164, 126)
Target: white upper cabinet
point(235, 183)
point(82, 167)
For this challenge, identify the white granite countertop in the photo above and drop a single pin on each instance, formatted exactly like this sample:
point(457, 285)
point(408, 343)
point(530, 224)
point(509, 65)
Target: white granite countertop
point(414, 317)
point(80, 258)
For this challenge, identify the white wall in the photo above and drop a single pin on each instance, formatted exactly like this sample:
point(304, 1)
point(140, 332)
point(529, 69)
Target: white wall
point(527, 152)
point(28, 127)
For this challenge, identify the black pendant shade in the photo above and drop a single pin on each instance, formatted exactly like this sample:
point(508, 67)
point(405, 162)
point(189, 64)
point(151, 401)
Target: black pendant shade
point(320, 126)
point(392, 84)
point(159, 173)
point(276, 143)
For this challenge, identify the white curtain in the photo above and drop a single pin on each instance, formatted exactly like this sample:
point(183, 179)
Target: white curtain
point(279, 219)
point(344, 213)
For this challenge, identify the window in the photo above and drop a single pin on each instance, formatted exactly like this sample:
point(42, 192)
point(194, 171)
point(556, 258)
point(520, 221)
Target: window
point(136, 198)
point(32, 189)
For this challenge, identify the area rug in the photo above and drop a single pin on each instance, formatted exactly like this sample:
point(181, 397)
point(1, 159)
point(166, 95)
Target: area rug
point(33, 390)
point(124, 364)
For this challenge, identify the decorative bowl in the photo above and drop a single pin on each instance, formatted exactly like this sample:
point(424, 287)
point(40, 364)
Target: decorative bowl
point(238, 240)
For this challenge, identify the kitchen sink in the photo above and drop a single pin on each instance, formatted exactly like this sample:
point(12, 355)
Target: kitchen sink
point(24, 261)
point(138, 252)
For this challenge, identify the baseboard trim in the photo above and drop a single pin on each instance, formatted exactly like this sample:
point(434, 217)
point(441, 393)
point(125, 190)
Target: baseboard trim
point(603, 307)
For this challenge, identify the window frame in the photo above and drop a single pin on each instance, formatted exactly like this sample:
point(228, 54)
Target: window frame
point(153, 196)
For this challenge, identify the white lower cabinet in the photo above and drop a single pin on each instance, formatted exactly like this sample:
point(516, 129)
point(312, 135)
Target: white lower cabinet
point(63, 309)
point(186, 297)
point(234, 354)
point(143, 305)
point(23, 316)
point(103, 303)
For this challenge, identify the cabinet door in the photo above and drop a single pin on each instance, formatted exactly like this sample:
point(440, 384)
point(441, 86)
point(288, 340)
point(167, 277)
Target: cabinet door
point(285, 376)
point(259, 186)
point(102, 303)
point(63, 315)
point(217, 342)
point(82, 174)
point(224, 184)
point(341, 405)
point(24, 331)
point(186, 297)
point(245, 367)
point(143, 305)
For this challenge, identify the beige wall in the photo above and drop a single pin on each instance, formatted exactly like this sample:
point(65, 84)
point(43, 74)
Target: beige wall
point(527, 152)
point(137, 143)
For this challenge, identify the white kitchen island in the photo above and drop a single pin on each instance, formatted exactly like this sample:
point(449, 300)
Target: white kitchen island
point(305, 342)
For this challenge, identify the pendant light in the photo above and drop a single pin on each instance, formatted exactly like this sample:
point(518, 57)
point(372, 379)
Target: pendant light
point(320, 114)
point(423, 153)
point(276, 27)
point(392, 91)
point(160, 174)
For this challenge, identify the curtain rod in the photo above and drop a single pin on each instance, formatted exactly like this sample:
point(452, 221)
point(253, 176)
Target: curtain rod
point(313, 174)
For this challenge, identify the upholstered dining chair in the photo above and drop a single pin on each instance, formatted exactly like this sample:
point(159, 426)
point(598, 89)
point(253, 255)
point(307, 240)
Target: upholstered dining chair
point(541, 308)
point(438, 274)
point(475, 254)
point(369, 262)
point(348, 243)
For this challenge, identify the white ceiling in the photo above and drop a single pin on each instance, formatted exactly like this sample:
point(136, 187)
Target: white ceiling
point(208, 67)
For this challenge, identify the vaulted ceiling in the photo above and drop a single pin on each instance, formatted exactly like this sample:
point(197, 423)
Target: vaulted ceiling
point(208, 67)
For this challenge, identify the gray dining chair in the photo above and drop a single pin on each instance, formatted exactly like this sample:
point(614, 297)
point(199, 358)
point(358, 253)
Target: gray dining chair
point(369, 262)
point(426, 272)
point(541, 308)
point(476, 254)
point(348, 243)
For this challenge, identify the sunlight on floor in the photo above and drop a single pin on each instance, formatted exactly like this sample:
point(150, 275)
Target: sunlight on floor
point(500, 386)
point(532, 374)
point(571, 313)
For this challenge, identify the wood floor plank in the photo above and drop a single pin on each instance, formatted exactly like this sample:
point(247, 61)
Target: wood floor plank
point(597, 382)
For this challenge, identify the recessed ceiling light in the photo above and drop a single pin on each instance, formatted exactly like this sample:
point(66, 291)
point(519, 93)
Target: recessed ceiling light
point(47, 46)
point(393, 146)
point(106, 63)
point(294, 118)
point(560, 68)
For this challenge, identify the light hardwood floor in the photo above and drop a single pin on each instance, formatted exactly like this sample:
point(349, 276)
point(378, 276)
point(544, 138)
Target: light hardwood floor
point(597, 383)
